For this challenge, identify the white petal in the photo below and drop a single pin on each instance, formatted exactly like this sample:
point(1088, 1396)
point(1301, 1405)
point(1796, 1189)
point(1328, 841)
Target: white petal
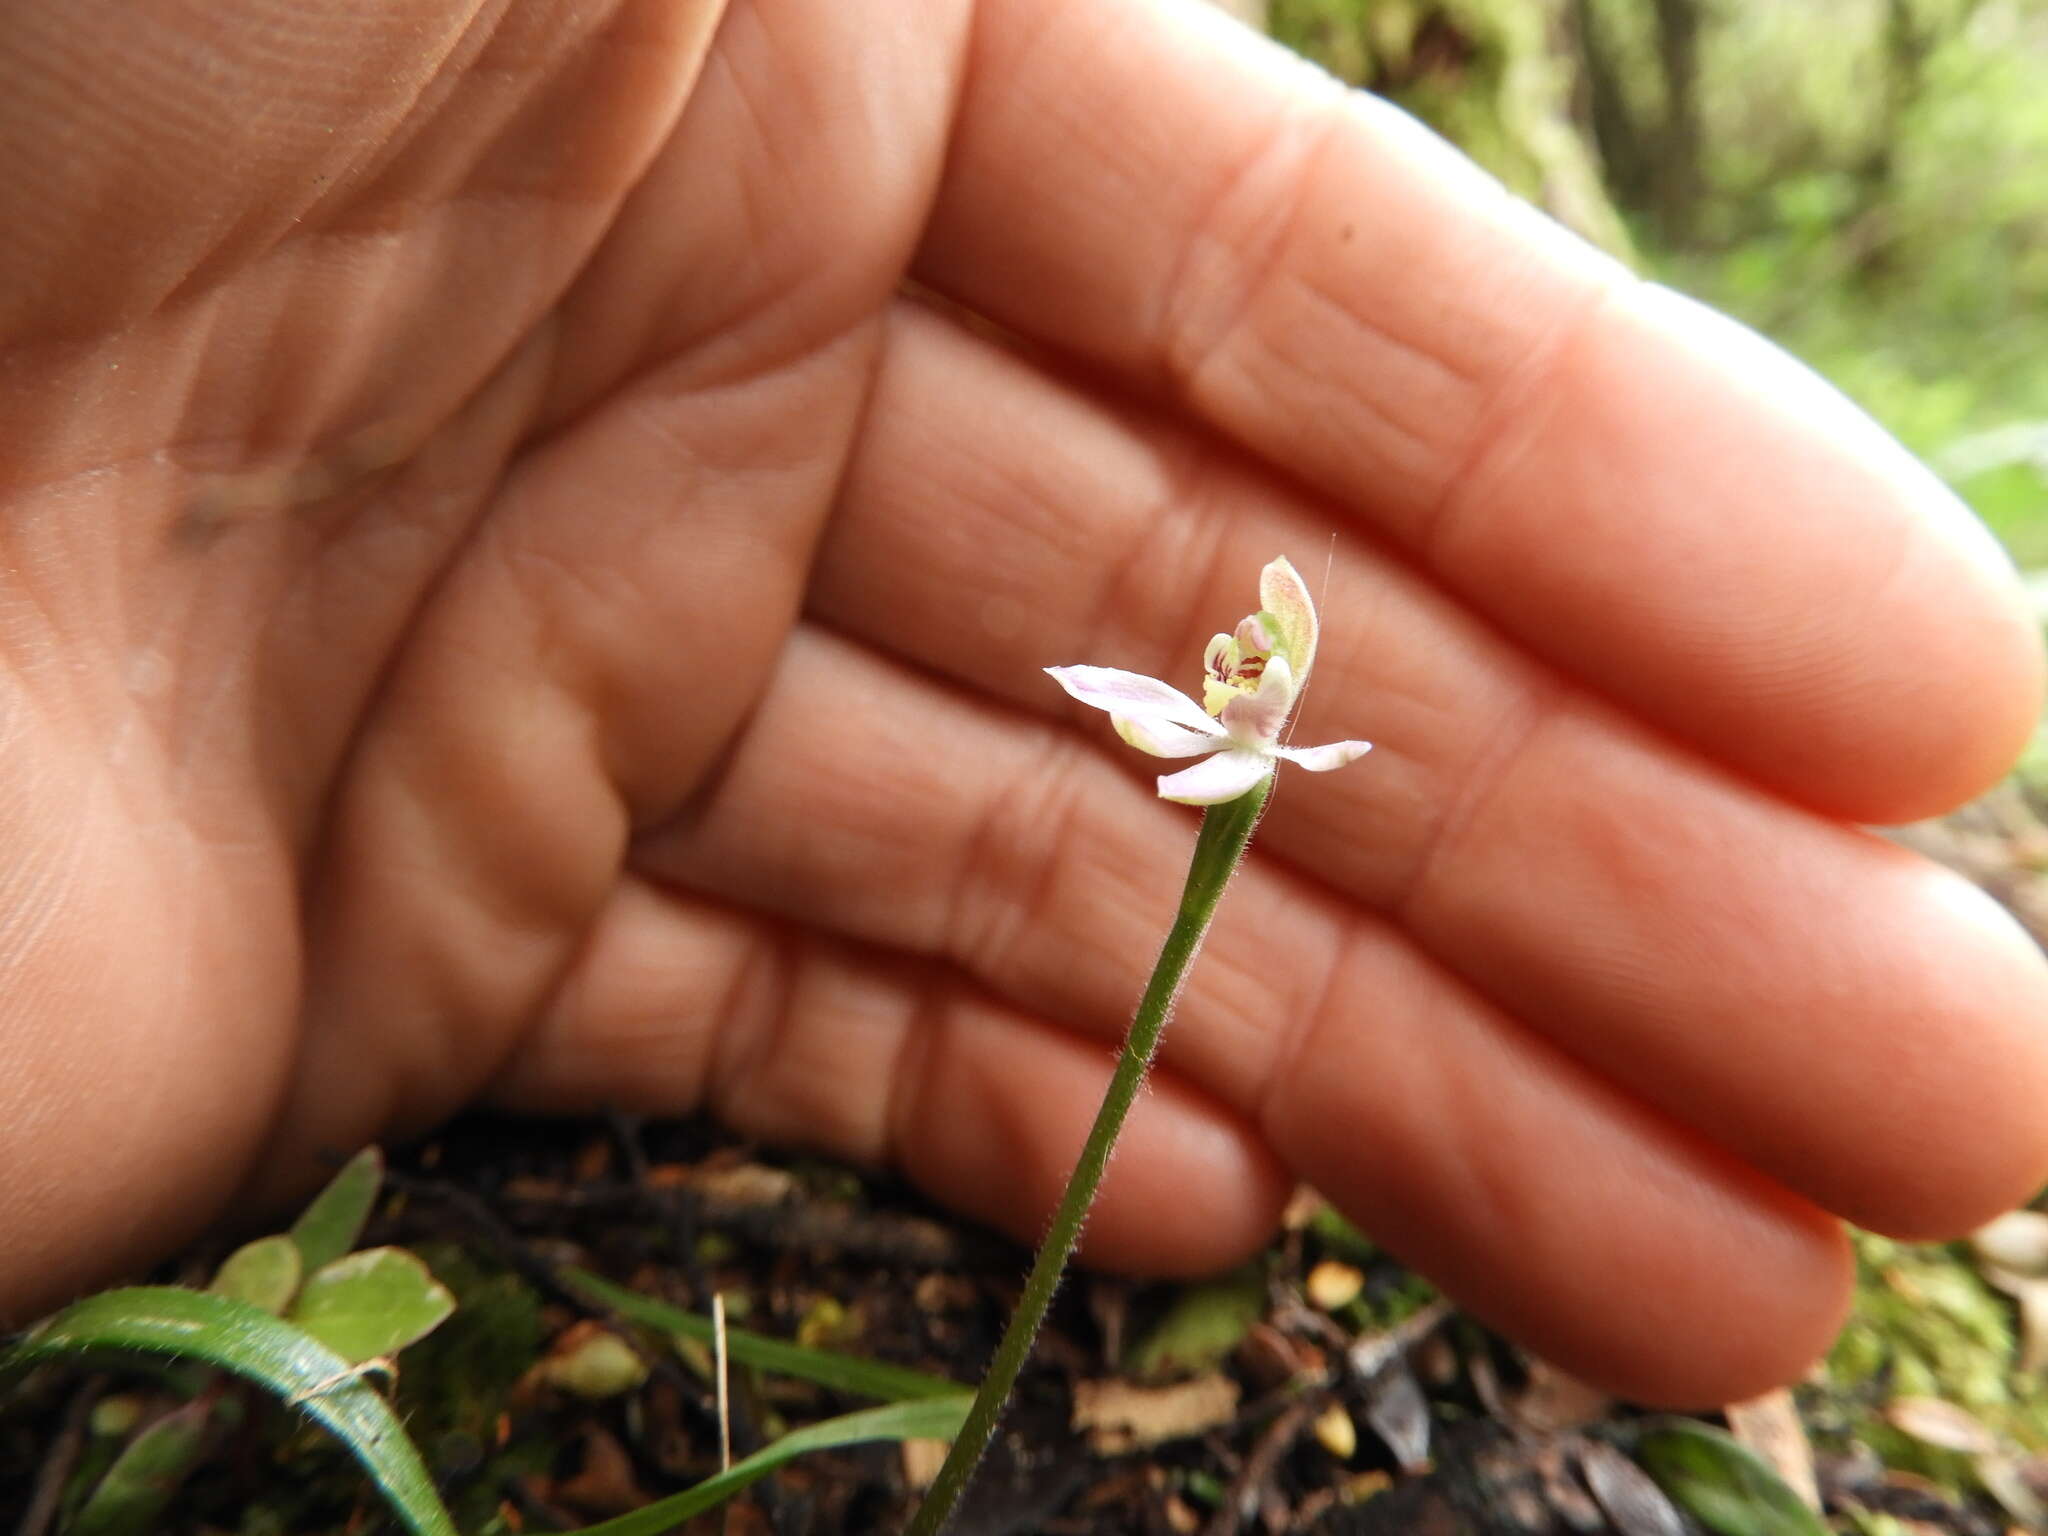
point(1255, 718)
point(1164, 738)
point(1284, 594)
point(1131, 694)
point(1323, 759)
point(1223, 777)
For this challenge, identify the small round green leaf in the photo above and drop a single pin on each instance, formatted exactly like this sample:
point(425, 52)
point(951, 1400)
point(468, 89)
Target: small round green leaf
point(371, 1304)
point(264, 1273)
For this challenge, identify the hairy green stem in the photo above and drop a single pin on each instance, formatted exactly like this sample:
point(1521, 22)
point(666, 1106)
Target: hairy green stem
point(1219, 849)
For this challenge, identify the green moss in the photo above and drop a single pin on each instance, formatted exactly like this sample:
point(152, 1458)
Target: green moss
point(1392, 1293)
point(1492, 76)
point(1926, 1325)
point(1384, 1306)
point(454, 1384)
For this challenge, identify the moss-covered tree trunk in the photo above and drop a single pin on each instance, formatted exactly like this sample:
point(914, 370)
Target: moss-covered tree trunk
point(1501, 78)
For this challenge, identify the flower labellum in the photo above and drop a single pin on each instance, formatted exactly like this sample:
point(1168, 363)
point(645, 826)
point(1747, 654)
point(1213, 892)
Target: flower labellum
point(1252, 677)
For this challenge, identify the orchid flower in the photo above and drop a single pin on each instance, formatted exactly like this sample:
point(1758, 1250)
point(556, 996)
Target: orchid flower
point(1252, 677)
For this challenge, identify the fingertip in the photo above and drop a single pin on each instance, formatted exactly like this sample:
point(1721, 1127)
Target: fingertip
point(1702, 527)
point(1763, 1330)
point(1898, 636)
point(1957, 1136)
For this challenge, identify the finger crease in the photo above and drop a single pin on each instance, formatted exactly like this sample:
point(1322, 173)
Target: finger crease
point(1206, 300)
point(1516, 395)
point(1511, 739)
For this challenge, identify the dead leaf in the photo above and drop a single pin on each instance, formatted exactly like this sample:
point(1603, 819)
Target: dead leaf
point(1943, 1425)
point(2032, 1295)
point(2016, 1242)
point(1360, 1486)
point(1554, 1400)
point(746, 1185)
point(1335, 1432)
point(1627, 1495)
point(604, 1484)
point(1486, 1386)
point(1272, 1358)
point(1771, 1427)
point(922, 1460)
point(2000, 1476)
point(1303, 1206)
point(1372, 1351)
point(1399, 1414)
point(2033, 1302)
point(1120, 1417)
point(1332, 1284)
point(593, 1161)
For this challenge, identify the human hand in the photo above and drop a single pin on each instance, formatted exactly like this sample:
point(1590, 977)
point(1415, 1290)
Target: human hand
point(504, 594)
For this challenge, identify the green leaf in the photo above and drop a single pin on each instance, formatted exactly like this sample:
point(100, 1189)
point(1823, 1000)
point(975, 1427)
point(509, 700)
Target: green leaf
point(264, 1273)
point(329, 1227)
point(145, 1476)
point(827, 1368)
point(1204, 1324)
point(1722, 1484)
point(372, 1304)
point(932, 1418)
point(234, 1336)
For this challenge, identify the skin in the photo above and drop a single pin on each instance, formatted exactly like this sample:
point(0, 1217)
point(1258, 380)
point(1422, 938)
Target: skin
point(528, 534)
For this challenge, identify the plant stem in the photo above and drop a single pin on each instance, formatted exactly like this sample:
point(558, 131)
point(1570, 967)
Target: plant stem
point(1219, 849)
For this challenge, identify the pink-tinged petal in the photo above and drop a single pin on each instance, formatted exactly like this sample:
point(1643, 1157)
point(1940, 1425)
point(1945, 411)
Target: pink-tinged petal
point(1222, 777)
point(1258, 632)
point(1323, 759)
point(1254, 719)
point(1131, 694)
point(1284, 595)
point(1164, 738)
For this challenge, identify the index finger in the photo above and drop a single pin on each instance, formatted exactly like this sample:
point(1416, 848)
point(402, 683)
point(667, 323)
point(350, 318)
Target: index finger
point(1641, 492)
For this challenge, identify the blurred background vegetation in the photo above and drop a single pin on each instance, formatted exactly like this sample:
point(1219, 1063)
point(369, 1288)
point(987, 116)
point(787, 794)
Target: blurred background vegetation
point(1866, 181)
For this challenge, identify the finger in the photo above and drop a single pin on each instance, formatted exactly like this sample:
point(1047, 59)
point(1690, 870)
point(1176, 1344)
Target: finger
point(1046, 877)
point(805, 1040)
point(1649, 1260)
point(1658, 919)
point(1642, 493)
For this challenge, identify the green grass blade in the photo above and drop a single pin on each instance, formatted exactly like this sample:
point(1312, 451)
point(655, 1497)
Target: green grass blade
point(827, 1368)
point(933, 1418)
point(1722, 1484)
point(247, 1341)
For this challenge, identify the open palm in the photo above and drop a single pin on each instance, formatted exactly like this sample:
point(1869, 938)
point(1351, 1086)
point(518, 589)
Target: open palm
point(527, 539)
